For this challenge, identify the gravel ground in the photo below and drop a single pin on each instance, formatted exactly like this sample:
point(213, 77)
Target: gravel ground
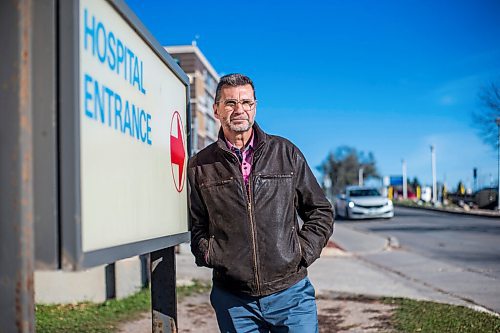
point(339, 313)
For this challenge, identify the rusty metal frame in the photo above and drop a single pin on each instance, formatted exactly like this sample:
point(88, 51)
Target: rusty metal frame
point(45, 173)
point(17, 309)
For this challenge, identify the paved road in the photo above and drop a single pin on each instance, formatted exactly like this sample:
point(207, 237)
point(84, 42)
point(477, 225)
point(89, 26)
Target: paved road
point(470, 242)
point(459, 255)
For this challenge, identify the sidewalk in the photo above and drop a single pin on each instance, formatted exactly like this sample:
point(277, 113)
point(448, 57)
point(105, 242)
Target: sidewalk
point(355, 273)
point(355, 267)
point(341, 271)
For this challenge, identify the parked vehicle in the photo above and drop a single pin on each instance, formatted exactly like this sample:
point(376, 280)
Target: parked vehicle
point(360, 202)
point(426, 195)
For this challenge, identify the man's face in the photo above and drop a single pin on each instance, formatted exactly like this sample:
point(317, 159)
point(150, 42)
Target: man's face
point(236, 108)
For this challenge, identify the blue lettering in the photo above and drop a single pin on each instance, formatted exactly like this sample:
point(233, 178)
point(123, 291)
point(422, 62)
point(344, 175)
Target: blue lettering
point(143, 138)
point(148, 127)
point(111, 48)
point(142, 81)
point(136, 74)
point(88, 31)
point(110, 94)
point(119, 55)
point(118, 116)
point(88, 95)
point(118, 107)
point(98, 101)
point(126, 121)
point(127, 117)
point(128, 64)
point(136, 123)
point(99, 42)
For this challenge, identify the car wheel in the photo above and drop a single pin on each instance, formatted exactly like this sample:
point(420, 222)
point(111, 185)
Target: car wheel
point(346, 213)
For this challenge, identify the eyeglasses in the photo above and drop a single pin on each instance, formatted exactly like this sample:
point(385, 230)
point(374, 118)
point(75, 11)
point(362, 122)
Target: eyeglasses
point(232, 104)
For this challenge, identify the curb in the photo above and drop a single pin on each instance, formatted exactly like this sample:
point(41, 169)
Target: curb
point(333, 250)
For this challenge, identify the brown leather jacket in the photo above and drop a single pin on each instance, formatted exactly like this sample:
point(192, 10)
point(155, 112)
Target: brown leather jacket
point(252, 239)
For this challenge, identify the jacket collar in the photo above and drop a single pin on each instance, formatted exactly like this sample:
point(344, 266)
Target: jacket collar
point(260, 138)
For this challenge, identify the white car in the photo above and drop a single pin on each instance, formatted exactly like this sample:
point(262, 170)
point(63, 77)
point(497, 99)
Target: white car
point(361, 202)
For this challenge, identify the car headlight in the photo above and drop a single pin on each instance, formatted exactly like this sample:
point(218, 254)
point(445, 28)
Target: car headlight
point(351, 204)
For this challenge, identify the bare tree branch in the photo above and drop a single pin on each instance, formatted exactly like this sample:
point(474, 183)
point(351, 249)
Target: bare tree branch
point(484, 118)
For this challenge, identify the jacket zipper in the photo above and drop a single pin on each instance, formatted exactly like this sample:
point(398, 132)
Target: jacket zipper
point(252, 226)
point(256, 155)
point(249, 208)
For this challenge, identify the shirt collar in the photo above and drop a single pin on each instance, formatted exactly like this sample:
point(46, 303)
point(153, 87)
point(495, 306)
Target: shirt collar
point(248, 146)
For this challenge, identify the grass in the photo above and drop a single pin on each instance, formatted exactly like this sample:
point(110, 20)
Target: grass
point(409, 315)
point(101, 317)
point(197, 287)
point(421, 316)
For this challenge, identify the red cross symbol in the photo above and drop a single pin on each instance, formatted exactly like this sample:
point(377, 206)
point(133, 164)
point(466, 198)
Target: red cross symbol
point(177, 151)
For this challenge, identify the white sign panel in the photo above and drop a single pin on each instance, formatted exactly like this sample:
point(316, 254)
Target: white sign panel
point(132, 135)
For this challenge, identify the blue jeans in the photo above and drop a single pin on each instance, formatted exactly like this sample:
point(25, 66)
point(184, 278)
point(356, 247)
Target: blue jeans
point(292, 310)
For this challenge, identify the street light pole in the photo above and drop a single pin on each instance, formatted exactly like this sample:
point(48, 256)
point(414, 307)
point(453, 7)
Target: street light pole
point(498, 162)
point(360, 176)
point(327, 182)
point(405, 186)
point(434, 185)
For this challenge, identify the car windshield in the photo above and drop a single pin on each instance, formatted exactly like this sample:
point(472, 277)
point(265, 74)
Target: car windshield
point(369, 192)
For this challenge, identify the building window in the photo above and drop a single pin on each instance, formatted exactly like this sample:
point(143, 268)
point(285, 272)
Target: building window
point(210, 83)
point(211, 128)
point(210, 101)
point(201, 142)
point(194, 136)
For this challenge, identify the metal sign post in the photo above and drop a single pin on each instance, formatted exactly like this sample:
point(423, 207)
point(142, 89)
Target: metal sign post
point(16, 172)
point(163, 295)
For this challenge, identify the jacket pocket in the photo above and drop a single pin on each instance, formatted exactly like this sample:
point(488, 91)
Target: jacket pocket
point(276, 176)
point(302, 260)
point(297, 240)
point(210, 251)
point(273, 193)
point(221, 198)
point(212, 183)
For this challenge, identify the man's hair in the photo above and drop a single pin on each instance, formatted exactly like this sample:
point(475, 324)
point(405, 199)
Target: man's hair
point(233, 80)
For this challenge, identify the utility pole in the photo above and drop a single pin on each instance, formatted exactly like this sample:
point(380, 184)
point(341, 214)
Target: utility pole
point(474, 174)
point(434, 183)
point(405, 185)
point(360, 176)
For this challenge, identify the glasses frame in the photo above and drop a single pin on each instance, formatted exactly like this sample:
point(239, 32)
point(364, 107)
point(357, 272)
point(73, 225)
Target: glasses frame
point(252, 107)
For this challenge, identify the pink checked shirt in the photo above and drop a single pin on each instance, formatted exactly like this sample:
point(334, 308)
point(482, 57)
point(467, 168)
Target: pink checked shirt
point(245, 156)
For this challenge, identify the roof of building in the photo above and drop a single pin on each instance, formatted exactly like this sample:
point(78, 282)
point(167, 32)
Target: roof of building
point(173, 49)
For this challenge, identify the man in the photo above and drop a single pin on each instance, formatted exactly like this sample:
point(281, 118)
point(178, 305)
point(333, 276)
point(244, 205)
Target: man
point(247, 191)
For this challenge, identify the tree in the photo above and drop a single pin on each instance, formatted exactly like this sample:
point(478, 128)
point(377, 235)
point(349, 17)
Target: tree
point(414, 184)
point(484, 119)
point(342, 167)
